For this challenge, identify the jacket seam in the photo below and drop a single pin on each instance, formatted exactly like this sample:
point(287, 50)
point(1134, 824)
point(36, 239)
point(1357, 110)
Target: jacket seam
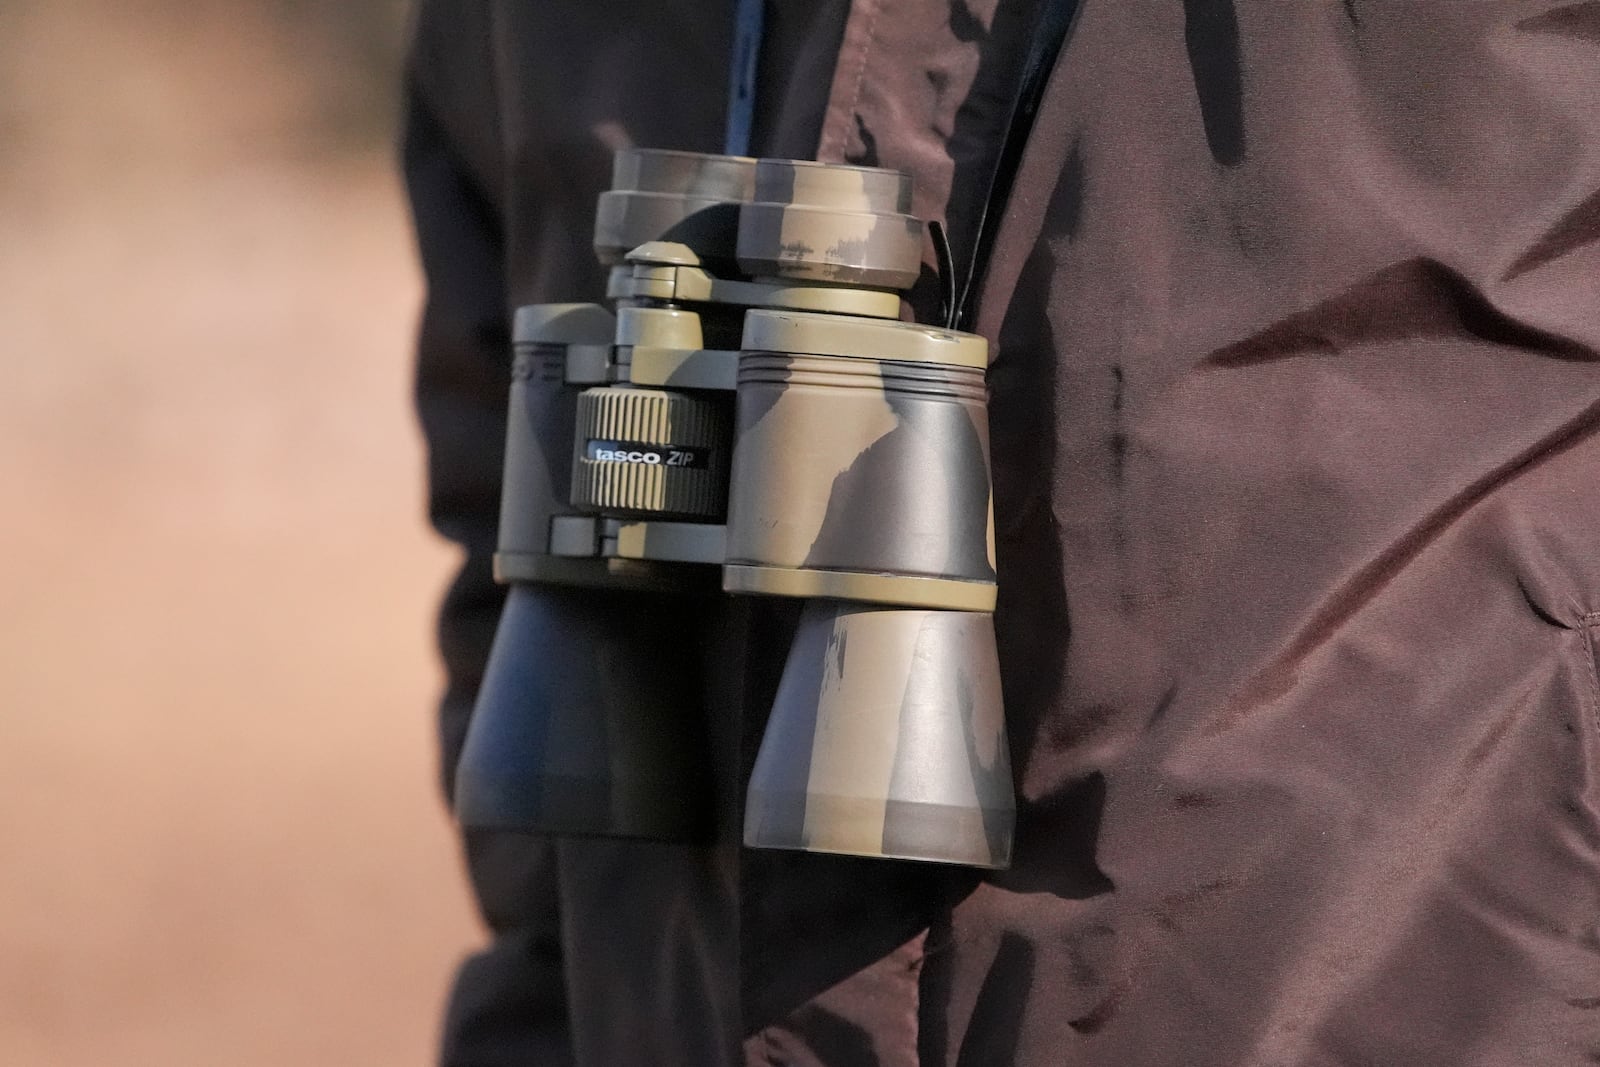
point(1588, 624)
point(866, 53)
point(856, 49)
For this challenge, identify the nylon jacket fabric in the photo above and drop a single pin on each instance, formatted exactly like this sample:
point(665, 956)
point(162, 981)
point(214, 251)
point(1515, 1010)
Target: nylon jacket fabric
point(1295, 398)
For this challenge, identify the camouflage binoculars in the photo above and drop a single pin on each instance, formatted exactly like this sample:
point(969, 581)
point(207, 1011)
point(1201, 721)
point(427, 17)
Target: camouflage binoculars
point(751, 416)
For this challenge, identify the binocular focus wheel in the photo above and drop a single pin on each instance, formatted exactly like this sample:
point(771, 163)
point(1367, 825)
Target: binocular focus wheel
point(650, 452)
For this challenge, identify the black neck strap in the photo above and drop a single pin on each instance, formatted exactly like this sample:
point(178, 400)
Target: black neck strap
point(1049, 34)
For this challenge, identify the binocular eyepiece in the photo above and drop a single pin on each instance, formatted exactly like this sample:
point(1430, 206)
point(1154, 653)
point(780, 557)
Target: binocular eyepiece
point(749, 416)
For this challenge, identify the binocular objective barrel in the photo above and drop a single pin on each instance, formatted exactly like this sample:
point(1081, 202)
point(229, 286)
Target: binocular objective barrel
point(861, 482)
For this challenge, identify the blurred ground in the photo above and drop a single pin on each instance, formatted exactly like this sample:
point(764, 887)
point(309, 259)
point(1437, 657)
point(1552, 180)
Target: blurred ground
point(220, 836)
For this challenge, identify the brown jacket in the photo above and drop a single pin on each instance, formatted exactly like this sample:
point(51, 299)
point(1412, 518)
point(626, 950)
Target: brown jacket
point(1296, 410)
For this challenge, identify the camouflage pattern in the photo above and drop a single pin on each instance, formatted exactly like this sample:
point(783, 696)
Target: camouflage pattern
point(871, 475)
point(832, 224)
point(850, 451)
point(888, 739)
point(677, 196)
point(668, 347)
point(670, 273)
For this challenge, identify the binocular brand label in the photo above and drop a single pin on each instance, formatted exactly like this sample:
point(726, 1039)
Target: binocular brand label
point(650, 455)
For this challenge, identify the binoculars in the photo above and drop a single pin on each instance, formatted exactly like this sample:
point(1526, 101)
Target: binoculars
point(749, 416)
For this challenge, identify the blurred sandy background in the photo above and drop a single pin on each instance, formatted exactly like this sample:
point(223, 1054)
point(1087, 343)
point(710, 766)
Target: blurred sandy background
point(220, 835)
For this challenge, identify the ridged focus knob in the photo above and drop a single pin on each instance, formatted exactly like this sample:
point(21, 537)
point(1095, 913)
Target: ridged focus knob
point(650, 452)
